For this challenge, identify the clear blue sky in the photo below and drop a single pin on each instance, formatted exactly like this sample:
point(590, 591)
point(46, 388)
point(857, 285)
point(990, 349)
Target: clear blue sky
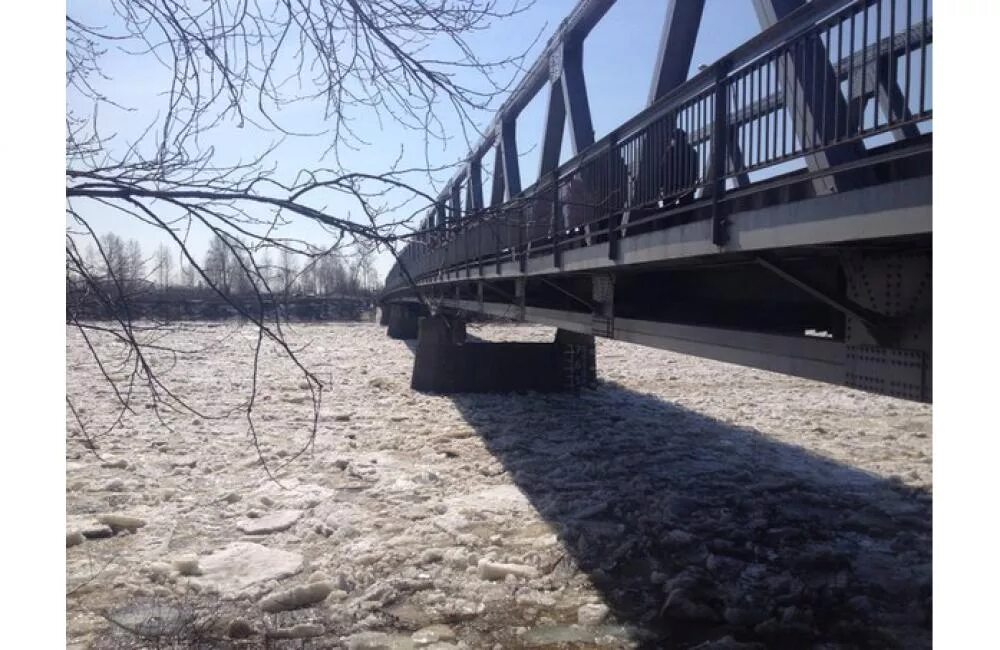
point(618, 63)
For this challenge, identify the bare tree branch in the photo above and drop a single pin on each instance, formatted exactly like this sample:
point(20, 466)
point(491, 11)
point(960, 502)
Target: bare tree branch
point(236, 63)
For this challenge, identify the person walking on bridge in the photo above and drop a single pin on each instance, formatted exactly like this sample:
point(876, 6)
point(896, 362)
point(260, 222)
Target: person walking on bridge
point(667, 177)
point(681, 170)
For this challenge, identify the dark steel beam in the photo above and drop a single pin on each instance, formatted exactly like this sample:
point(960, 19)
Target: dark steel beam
point(813, 96)
point(442, 217)
point(770, 12)
point(842, 305)
point(871, 80)
point(497, 188)
point(812, 358)
point(555, 120)
point(508, 154)
point(500, 292)
point(575, 26)
point(876, 78)
point(890, 46)
point(574, 88)
point(775, 101)
point(737, 160)
point(722, 136)
point(793, 25)
point(569, 294)
point(455, 204)
point(680, 30)
point(892, 104)
point(474, 187)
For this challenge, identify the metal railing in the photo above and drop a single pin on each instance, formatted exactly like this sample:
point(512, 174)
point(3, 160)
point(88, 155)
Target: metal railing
point(810, 90)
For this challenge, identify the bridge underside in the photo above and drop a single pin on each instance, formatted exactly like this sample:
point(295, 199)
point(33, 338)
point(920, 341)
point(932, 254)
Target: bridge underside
point(834, 288)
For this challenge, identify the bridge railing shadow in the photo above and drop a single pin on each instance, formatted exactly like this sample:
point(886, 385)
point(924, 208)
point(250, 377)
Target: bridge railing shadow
point(694, 529)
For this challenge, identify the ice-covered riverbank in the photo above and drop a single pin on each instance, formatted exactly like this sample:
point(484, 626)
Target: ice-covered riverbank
point(682, 502)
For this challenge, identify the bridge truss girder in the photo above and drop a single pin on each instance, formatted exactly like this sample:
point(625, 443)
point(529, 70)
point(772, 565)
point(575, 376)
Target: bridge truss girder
point(818, 240)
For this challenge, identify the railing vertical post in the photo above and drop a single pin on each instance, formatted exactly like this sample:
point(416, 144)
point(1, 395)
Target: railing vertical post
point(612, 200)
point(474, 213)
point(457, 234)
point(557, 227)
point(720, 136)
point(501, 222)
point(480, 248)
point(520, 251)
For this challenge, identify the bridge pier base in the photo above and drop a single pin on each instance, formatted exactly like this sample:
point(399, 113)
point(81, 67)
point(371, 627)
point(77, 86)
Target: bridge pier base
point(579, 359)
point(446, 363)
point(402, 322)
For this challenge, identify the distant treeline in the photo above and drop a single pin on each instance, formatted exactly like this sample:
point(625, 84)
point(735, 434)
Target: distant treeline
point(180, 303)
point(117, 281)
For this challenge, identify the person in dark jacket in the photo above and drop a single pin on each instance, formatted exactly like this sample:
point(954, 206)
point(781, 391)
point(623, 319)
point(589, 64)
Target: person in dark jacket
point(681, 170)
point(666, 176)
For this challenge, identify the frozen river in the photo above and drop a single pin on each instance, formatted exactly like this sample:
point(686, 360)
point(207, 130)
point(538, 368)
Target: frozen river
point(684, 503)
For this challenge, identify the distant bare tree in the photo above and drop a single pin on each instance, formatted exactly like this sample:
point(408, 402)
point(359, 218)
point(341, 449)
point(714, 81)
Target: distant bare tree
point(267, 269)
point(164, 262)
point(288, 271)
point(188, 275)
point(91, 258)
point(332, 275)
point(308, 280)
point(360, 273)
point(113, 260)
point(366, 271)
point(240, 258)
point(218, 266)
point(239, 64)
point(135, 264)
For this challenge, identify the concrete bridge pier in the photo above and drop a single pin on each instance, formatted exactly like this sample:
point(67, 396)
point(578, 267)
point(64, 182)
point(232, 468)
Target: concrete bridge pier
point(579, 359)
point(445, 362)
point(402, 321)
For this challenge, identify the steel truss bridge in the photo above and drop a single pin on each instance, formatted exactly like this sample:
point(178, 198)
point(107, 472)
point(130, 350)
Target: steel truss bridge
point(773, 211)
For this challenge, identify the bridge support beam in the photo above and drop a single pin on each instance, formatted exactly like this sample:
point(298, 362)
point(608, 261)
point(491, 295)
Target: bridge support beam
point(603, 300)
point(680, 29)
point(402, 322)
point(898, 287)
point(446, 363)
point(804, 88)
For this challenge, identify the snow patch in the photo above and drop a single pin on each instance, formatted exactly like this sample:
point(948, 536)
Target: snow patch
point(242, 564)
point(273, 523)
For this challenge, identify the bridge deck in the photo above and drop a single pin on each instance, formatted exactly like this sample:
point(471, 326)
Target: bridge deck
point(891, 210)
